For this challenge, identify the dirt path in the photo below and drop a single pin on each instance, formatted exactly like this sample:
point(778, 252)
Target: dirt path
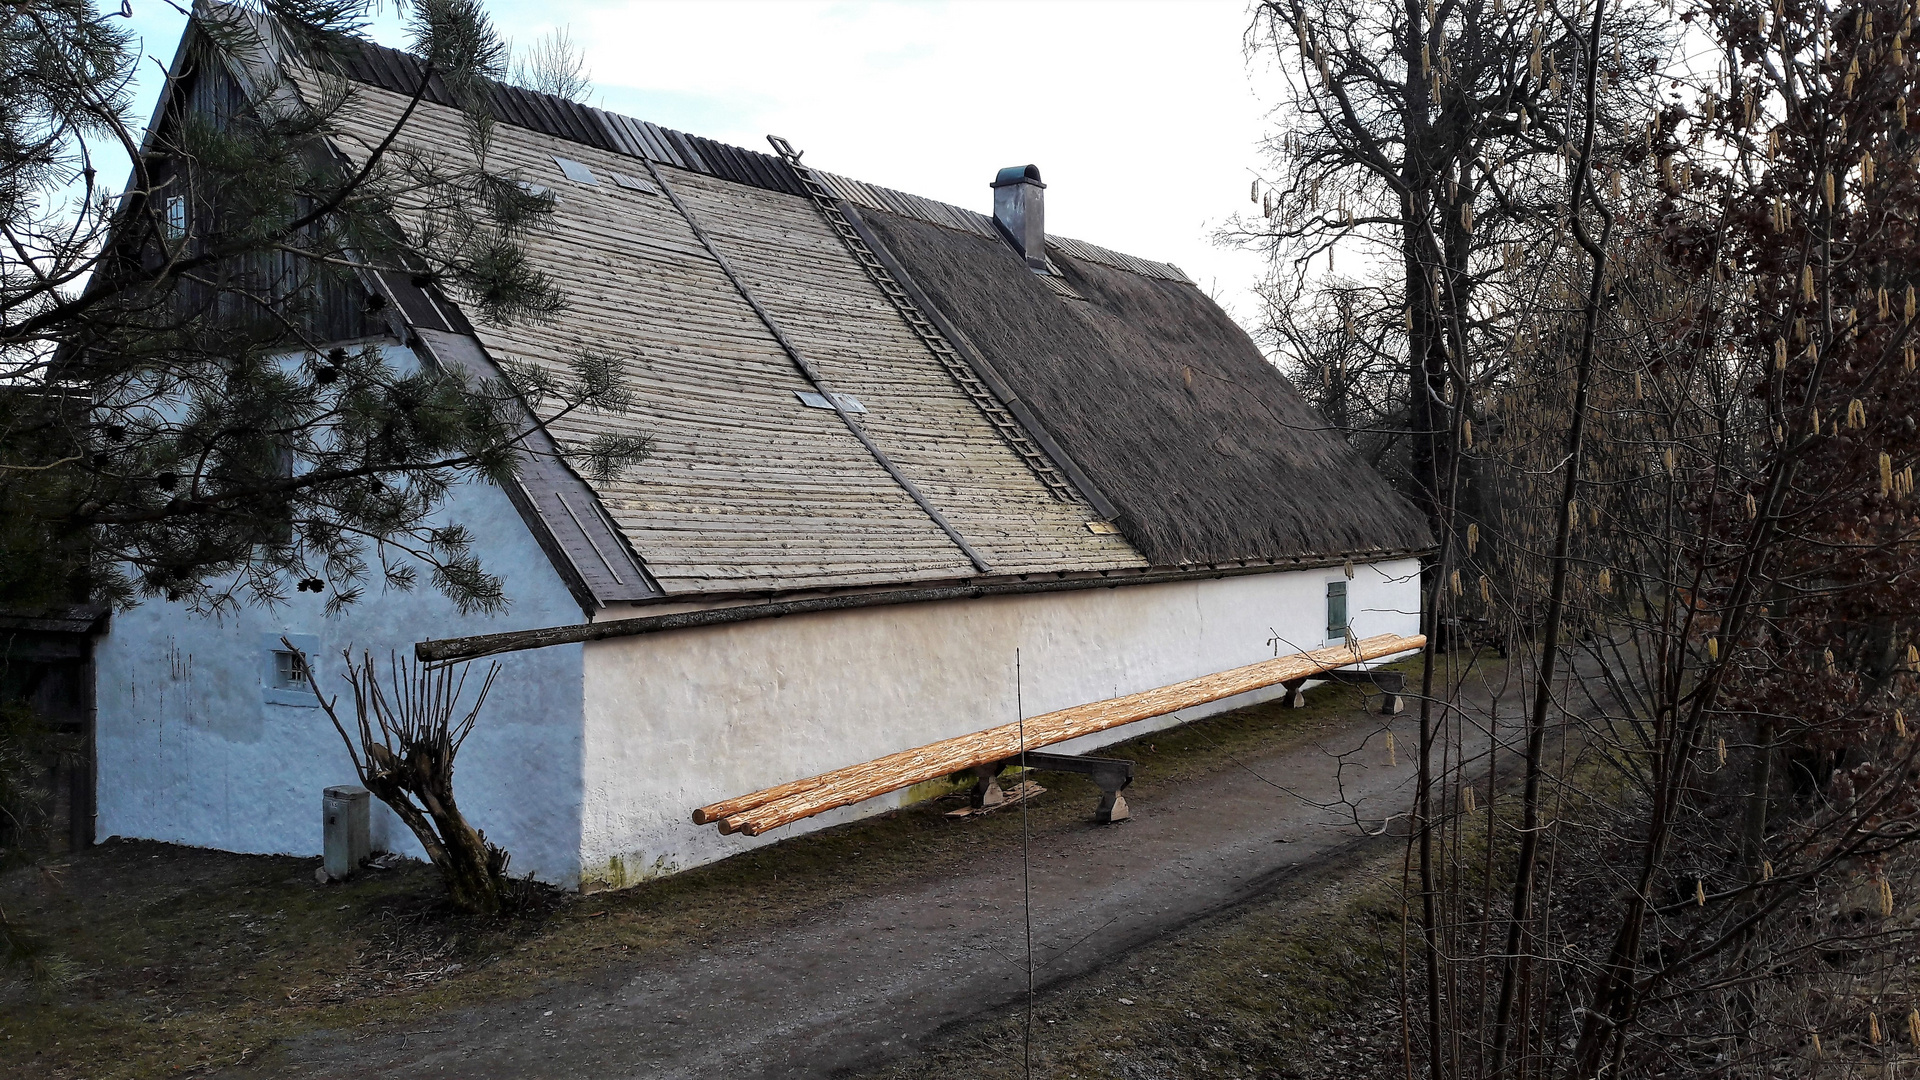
point(877, 977)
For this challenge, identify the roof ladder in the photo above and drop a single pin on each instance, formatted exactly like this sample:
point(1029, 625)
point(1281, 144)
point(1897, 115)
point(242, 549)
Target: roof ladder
point(812, 374)
point(978, 392)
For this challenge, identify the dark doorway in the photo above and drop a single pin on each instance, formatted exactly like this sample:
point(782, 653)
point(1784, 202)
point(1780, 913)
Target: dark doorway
point(46, 668)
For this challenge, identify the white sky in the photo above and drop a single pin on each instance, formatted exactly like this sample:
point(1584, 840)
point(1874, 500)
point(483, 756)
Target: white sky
point(1140, 113)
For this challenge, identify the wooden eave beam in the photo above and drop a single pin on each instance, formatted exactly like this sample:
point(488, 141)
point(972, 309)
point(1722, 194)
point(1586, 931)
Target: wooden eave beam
point(450, 650)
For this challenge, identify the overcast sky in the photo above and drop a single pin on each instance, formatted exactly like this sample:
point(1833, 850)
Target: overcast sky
point(1142, 116)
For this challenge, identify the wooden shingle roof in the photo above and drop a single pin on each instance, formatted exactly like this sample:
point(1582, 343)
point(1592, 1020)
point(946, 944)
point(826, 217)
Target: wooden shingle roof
point(728, 298)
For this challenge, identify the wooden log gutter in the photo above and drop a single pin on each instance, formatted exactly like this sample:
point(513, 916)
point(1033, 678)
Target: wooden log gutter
point(784, 804)
point(469, 648)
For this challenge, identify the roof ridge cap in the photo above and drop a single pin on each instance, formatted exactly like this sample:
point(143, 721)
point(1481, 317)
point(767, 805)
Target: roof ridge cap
point(635, 137)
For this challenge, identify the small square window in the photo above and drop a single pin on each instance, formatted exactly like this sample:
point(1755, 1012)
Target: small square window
point(819, 401)
point(635, 183)
point(283, 670)
point(1336, 609)
point(576, 172)
point(289, 670)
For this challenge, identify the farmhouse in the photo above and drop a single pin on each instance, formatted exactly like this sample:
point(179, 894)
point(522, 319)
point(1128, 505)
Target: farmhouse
point(895, 443)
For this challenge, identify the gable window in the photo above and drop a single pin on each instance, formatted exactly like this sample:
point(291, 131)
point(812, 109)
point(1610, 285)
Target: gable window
point(176, 216)
point(1336, 609)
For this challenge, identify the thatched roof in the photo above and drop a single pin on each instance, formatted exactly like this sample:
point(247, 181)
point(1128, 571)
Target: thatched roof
point(707, 268)
point(1208, 452)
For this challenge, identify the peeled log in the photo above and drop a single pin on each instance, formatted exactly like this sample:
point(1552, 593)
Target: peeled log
point(773, 807)
point(706, 815)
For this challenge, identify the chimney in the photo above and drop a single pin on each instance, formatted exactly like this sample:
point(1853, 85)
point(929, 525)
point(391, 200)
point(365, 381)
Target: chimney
point(1020, 209)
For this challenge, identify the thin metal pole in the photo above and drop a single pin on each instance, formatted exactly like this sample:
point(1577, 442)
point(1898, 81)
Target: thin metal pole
point(1026, 860)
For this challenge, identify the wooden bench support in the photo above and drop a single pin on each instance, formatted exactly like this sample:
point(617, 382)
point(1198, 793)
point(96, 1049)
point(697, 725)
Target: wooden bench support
point(1391, 684)
point(986, 793)
point(1112, 774)
point(1296, 695)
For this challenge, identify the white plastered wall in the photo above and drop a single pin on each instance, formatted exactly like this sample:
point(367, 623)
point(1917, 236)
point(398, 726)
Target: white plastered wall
point(192, 750)
point(677, 720)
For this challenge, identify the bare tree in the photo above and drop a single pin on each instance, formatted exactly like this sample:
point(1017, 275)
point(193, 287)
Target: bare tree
point(1682, 484)
point(1427, 138)
point(554, 65)
point(405, 738)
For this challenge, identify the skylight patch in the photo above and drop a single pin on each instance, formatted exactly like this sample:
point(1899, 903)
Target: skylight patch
point(819, 401)
point(576, 172)
point(635, 183)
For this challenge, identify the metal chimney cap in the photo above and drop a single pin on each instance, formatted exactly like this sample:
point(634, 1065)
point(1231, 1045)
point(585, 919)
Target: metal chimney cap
point(1018, 174)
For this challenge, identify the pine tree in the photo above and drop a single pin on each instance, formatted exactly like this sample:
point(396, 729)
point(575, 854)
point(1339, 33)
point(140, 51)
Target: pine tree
point(178, 415)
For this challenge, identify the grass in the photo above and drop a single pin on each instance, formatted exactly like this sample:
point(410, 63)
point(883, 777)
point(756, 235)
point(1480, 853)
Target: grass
point(166, 960)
